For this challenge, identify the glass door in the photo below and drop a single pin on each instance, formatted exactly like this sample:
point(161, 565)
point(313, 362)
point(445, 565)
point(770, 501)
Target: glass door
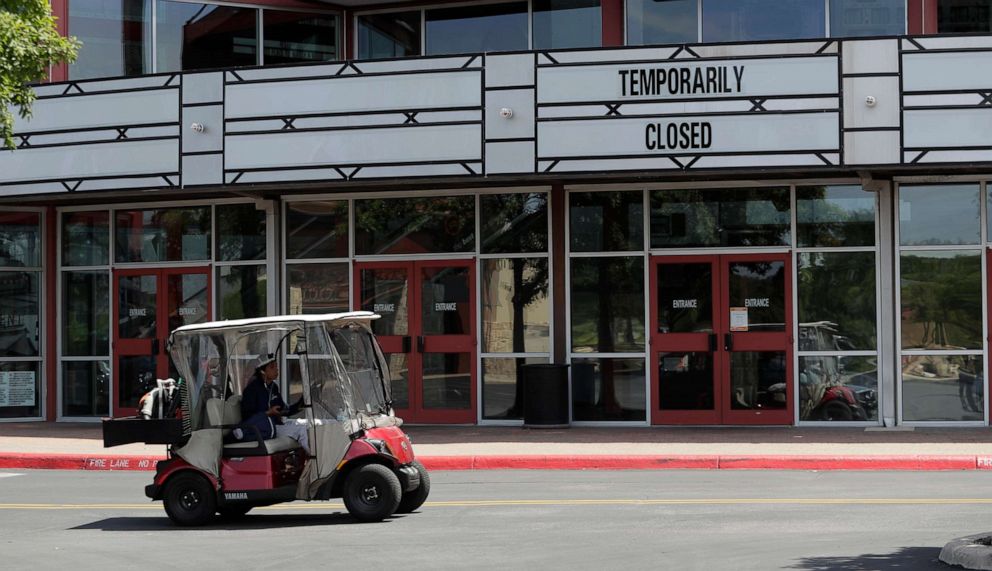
point(427, 332)
point(757, 339)
point(151, 303)
point(721, 342)
point(685, 353)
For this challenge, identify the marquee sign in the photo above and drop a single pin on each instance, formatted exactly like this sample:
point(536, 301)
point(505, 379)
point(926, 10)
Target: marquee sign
point(675, 108)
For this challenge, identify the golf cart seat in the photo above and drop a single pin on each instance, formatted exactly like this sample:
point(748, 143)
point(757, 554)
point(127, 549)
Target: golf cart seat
point(227, 414)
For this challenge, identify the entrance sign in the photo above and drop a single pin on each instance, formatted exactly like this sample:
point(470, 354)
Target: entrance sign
point(738, 319)
point(17, 388)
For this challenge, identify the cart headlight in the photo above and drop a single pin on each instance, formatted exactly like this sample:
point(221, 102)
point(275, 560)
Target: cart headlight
point(379, 445)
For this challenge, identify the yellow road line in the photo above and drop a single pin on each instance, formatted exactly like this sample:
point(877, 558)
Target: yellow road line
point(562, 502)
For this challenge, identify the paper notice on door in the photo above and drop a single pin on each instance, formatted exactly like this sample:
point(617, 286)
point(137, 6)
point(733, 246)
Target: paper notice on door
point(17, 388)
point(738, 319)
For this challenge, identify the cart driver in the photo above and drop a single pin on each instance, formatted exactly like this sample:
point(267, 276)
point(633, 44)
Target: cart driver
point(262, 407)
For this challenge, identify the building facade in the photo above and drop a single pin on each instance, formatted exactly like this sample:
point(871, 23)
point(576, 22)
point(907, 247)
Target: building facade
point(715, 211)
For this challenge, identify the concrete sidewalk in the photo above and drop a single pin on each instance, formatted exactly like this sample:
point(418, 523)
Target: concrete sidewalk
point(78, 445)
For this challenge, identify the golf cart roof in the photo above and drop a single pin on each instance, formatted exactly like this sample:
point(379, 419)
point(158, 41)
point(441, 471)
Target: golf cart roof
point(306, 318)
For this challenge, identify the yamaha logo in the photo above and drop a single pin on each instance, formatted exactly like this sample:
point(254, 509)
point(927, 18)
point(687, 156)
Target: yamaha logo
point(236, 495)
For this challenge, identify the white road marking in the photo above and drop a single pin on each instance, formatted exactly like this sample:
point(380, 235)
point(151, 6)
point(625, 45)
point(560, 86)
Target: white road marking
point(9, 474)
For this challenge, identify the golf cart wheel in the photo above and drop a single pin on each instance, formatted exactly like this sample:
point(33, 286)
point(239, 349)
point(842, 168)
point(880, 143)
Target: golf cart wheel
point(190, 500)
point(372, 493)
point(416, 498)
point(233, 512)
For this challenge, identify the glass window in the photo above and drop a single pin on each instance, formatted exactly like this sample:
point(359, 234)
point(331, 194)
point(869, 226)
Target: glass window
point(939, 214)
point(502, 397)
point(447, 380)
point(964, 16)
point(606, 221)
point(760, 20)
point(837, 301)
point(389, 35)
point(20, 389)
point(472, 29)
point(162, 235)
point(835, 216)
point(86, 238)
point(85, 388)
point(607, 304)
point(240, 232)
point(20, 239)
point(608, 389)
point(513, 223)
point(116, 37)
point(241, 291)
point(204, 36)
point(838, 388)
point(757, 380)
point(86, 313)
point(318, 288)
point(20, 314)
point(726, 217)
point(567, 24)
point(849, 18)
point(941, 299)
point(685, 297)
point(297, 37)
point(662, 22)
point(415, 225)
point(317, 230)
point(444, 301)
point(943, 387)
point(515, 311)
point(759, 287)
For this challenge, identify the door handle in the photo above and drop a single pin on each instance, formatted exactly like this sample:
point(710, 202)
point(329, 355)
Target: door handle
point(406, 344)
point(420, 344)
point(728, 341)
point(155, 346)
point(712, 340)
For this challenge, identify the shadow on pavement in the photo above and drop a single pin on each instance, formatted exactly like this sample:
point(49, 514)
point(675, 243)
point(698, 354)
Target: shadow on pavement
point(249, 522)
point(903, 559)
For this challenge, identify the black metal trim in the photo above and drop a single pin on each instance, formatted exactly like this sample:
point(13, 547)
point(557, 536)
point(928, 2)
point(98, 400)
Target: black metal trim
point(109, 92)
point(205, 104)
point(356, 166)
point(862, 75)
point(353, 128)
point(687, 100)
point(676, 153)
point(669, 61)
point(512, 140)
point(88, 178)
point(200, 153)
point(869, 129)
point(353, 113)
point(299, 79)
point(686, 115)
point(105, 142)
point(96, 129)
point(510, 88)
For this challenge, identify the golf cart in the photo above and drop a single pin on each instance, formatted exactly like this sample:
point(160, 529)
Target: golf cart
point(357, 450)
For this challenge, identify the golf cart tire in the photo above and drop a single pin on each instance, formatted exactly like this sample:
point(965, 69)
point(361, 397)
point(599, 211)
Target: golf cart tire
point(372, 493)
point(416, 498)
point(189, 500)
point(233, 512)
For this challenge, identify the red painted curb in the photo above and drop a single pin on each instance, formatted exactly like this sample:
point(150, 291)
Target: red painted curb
point(27, 461)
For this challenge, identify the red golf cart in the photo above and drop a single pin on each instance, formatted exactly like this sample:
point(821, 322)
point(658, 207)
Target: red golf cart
point(357, 450)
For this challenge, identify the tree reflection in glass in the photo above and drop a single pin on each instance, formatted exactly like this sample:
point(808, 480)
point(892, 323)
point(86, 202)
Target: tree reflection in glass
point(607, 304)
point(415, 225)
point(941, 300)
point(836, 301)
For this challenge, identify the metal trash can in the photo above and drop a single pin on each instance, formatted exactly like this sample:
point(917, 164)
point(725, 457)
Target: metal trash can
point(545, 395)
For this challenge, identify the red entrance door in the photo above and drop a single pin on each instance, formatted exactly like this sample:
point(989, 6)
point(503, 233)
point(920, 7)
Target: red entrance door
point(150, 304)
point(721, 347)
point(427, 332)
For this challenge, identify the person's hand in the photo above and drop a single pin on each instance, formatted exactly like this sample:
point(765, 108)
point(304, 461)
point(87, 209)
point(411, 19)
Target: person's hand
point(274, 410)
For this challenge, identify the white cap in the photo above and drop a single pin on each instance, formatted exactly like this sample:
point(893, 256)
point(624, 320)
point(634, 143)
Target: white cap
point(264, 360)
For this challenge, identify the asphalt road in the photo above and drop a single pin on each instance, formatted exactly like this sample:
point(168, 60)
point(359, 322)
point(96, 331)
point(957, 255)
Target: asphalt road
point(521, 520)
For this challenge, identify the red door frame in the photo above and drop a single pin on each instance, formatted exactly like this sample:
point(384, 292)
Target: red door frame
point(695, 342)
point(759, 341)
point(701, 342)
point(417, 344)
point(138, 347)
